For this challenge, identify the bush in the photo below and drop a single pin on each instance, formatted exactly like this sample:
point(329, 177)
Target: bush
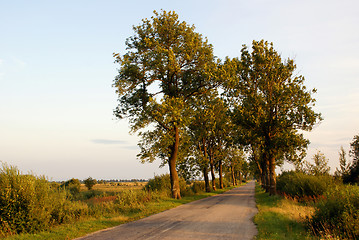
point(301, 185)
point(162, 183)
point(73, 186)
point(29, 203)
point(338, 213)
point(159, 183)
point(90, 182)
point(198, 187)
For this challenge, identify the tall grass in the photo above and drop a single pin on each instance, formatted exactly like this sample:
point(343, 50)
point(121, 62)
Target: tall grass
point(280, 218)
point(338, 213)
point(303, 186)
point(29, 203)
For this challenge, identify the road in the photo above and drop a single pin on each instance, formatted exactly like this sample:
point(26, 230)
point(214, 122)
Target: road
point(224, 216)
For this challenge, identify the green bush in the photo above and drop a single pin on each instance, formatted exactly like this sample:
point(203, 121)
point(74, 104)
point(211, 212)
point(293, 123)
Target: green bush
point(90, 182)
point(338, 213)
point(159, 183)
point(198, 187)
point(73, 186)
point(301, 185)
point(29, 203)
point(162, 183)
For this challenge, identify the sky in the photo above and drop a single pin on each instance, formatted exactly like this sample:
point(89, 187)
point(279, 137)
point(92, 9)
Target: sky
point(57, 70)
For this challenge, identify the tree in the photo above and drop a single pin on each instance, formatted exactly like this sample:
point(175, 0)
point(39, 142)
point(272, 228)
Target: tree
point(90, 182)
point(167, 65)
point(320, 166)
point(343, 164)
point(209, 132)
point(270, 104)
point(353, 174)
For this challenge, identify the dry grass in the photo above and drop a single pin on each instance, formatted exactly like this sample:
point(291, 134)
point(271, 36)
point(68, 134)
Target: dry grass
point(281, 218)
point(115, 186)
point(292, 210)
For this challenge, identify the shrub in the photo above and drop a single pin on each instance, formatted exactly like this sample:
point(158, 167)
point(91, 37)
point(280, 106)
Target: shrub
point(90, 182)
point(198, 187)
point(162, 183)
point(29, 203)
point(301, 185)
point(159, 183)
point(338, 213)
point(73, 186)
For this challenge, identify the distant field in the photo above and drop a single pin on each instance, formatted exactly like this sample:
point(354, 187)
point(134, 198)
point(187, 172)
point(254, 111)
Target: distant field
point(115, 186)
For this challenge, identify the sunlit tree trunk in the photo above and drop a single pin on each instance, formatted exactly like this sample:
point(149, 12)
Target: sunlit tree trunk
point(272, 176)
point(206, 179)
point(233, 177)
point(220, 174)
point(211, 162)
point(175, 189)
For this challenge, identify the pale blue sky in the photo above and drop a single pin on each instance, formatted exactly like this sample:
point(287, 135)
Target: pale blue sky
point(56, 71)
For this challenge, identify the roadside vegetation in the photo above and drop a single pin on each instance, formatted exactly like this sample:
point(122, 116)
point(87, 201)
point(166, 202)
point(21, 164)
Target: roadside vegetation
point(34, 208)
point(203, 117)
point(281, 218)
point(312, 204)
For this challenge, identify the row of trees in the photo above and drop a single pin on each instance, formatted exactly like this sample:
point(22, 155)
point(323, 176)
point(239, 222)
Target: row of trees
point(198, 113)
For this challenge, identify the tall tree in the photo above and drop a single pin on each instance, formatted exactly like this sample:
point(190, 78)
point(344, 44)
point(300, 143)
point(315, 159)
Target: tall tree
point(343, 164)
point(320, 166)
point(271, 103)
point(167, 64)
point(210, 132)
point(353, 175)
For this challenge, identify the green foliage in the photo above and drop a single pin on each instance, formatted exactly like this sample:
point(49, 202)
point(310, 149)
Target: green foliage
point(320, 166)
point(159, 183)
point(343, 169)
point(338, 213)
point(29, 203)
point(353, 174)
point(73, 186)
point(90, 182)
point(301, 185)
point(270, 104)
point(162, 183)
point(198, 187)
point(279, 218)
point(166, 66)
point(168, 54)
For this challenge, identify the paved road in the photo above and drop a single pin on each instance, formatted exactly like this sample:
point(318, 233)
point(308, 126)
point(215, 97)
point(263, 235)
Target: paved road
point(224, 216)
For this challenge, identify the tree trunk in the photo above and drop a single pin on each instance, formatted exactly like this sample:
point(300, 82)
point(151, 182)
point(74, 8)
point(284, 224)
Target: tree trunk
point(206, 179)
point(220, 174)
point(266, 175)
point(172, 165)
point(233, 177)
point(272, 178)
point(212, 171)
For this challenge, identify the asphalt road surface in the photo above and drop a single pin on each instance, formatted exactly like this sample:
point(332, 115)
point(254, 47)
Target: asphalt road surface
point(224, 216)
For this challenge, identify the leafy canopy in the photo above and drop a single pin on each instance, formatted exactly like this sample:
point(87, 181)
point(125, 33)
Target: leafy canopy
point(167, 64)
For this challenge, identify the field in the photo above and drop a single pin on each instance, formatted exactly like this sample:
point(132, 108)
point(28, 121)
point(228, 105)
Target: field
point(115, 186)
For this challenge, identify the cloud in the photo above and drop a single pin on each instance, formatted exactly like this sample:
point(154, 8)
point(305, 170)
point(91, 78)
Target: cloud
point(108, 141)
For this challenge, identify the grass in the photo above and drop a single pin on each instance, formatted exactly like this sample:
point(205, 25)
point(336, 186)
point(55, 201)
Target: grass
point(280, 218)
point(88, 225)
point(115, 186)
